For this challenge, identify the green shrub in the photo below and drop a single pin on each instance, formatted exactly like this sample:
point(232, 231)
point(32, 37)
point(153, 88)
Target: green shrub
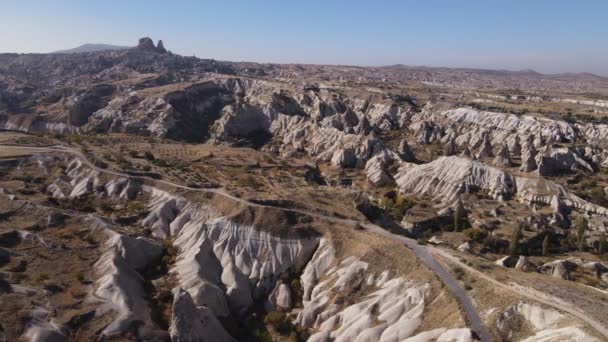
point(148, 155)
point(476, 234)
point(397, 206)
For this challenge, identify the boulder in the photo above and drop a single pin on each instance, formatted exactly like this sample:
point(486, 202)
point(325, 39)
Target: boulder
point(465, 247)
point(508, 261)
point(435, 240)
point(558, 269)
point(524, 264)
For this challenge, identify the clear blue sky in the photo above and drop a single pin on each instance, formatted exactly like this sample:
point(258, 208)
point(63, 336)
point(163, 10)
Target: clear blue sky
point(550, 36)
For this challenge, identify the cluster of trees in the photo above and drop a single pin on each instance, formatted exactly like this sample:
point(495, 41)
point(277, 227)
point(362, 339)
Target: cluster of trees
point(576, 238)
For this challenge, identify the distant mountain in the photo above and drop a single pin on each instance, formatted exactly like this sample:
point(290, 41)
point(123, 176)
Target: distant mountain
point(93, 48)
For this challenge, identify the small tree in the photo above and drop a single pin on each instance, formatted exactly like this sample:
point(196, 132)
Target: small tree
point(601, 247)
point(581, 225)
point(458, 213)
point(515, 236)
point(546, 245)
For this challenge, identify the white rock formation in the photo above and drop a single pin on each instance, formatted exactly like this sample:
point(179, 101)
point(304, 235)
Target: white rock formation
point(391, 311)
point(405, 152)
point(472, 124)
point(326, 144)
point(528, 158)
point(40, 329)
point(194, 323)
point(280, 297)
point(465, 247)
point(217, 254)
point(556, 161)
point(547, 324)
point(376, 169)
point(451, 148)
point(516, 147)
point(446, 177)
point(503, 158)
point(120, 287)
point(35, 124)
point(485, 150)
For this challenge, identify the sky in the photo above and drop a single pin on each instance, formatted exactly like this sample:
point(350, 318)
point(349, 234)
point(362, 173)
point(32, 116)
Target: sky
point(549, 36)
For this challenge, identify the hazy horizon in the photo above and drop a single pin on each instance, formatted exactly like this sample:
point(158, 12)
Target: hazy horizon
point(549, 37)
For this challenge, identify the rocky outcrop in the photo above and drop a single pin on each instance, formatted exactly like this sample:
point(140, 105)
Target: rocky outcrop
point(546, 324)
point(325, 144)
point(391, 311)
point(194, 323)
point(84, 105)
point(146, 44)
point(466, 153)
point(507, 261)
point(40, 329)
point(557, 161)
point(36, 124)
point(224, 265)
point(160, 47)
point(528, 163)
point(559, 269)
point(376, 170)
point(465, 247)
point(405, 152)
point(121, 287)
point(471, 126)
point(516, 147)
point(428, 132)
point(503, 158)
point(485, 150)
point(445, 178)
point(524, 264)
point(280, 297)
point(451, 148)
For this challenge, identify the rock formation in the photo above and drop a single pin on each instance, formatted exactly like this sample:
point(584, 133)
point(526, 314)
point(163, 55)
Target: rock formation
point(194, 323)
point(451, 148)
point(400, 303)
point(503, 158)
point(405, 152)
point(556, 161)
point(160, 47)
point(485, 151)
point(528, 163)
point(146, 44)
point(466, 153)
point(516, 147)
